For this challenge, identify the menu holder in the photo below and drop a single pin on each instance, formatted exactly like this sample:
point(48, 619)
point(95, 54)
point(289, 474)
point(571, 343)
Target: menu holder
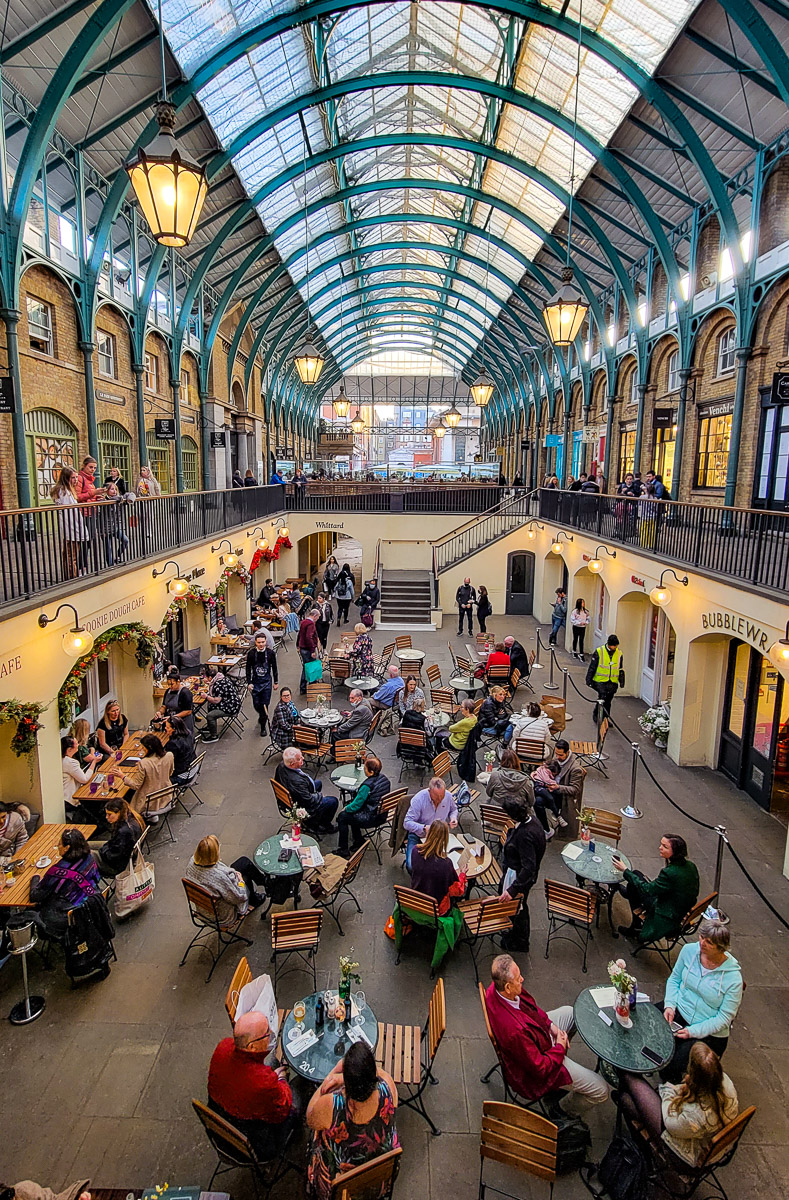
point(310, 856)
point(604, 997)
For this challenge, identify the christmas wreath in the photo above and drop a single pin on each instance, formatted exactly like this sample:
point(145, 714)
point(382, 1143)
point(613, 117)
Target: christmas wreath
point(27, 724)
point(147, 647)
point(240, 570)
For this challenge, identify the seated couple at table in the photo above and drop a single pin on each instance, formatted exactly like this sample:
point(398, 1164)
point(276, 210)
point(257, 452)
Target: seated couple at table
point(111, 732)
point(387, 694)
point(306, 792)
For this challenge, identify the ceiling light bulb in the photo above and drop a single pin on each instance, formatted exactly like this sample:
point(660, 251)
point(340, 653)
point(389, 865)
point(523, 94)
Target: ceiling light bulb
point(531, 535)
point(284, 531)
point(231, 559)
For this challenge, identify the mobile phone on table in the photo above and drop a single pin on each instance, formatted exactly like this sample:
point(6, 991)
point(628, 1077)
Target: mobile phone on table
point(285, 855)
point(657, 1059)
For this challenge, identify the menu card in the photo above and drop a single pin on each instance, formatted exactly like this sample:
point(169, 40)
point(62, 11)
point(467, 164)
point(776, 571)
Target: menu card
point(572, 852)
point(300, 1044)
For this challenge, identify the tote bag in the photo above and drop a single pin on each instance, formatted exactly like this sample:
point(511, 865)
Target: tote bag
point(134, 887)
point(313, 670)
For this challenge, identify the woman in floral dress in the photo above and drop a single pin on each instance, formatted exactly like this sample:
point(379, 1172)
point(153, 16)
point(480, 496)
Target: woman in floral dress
point(352, 1116)
point(362, 652)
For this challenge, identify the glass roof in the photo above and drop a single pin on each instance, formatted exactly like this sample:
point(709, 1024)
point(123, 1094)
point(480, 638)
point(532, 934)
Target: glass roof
point(457, 41)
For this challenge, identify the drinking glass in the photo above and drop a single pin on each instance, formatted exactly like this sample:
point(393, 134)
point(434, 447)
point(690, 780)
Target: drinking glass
point(299, 1012)
point(361, 1004)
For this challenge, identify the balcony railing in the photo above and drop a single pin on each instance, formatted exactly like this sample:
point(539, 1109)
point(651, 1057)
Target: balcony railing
point(507, 516)
point(745, 545)
point(343, 496)
point(42, 549)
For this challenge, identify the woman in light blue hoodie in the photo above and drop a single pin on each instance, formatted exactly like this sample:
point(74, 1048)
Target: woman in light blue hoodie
point(703, 994)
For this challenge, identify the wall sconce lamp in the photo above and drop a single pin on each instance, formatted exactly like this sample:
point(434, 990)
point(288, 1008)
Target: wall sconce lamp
point(262, 542)
point(778, 653)
point(283, 531)
point(556, 544)
point(530, 532)
point(179, 585)
point(77, 641)
point(595, 564)
point(662, 595)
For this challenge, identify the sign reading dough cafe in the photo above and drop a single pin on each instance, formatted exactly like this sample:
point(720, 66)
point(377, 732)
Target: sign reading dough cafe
point(717, 620)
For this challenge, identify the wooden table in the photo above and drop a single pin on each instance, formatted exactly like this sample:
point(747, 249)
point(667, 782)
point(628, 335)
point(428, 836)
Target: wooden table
point(44, 843)
point(227, 639)
point(225, 660)
point(193, 682)
point(132, 747)
point(455, 848)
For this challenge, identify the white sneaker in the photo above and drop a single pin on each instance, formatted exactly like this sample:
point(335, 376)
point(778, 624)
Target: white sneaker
point(549, 834)
point(553, 820)
point(562, 823)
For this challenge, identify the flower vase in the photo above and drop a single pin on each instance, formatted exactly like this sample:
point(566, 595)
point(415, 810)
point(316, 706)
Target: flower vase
point(295, 832)
point(622, 1010)
point(345, 996)
point(489, 766)
point(585, 833)
point(358, 762)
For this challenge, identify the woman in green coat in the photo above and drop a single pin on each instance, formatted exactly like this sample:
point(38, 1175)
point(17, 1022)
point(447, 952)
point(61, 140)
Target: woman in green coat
point(659, 905)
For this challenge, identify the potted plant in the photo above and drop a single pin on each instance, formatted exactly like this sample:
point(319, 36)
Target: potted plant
point(625, 985)
point(655, 723)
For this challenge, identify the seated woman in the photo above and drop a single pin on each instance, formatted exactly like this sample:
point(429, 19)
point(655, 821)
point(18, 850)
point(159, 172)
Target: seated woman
point(457, 733)
point(687, 1115)
point(362, 657)
point(181, 745)
point(233, 886)
point(86, 741)
point(509, 782)
point(114, 856)
point(659, 905)
point(13, 833)
point(113, 729)
point(703, 995)
point(531, 724)
point(66, 884)
point(283, 718)
point(432, 872)
point(408, 695)
point(493, 716)
point(416, 718)
point(151, 774)
point(352, 1118)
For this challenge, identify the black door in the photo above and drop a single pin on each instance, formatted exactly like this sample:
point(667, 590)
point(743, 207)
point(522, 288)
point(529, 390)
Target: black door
point(520, 582)
point(771, 485)
point(749, 738)
point(174, 638)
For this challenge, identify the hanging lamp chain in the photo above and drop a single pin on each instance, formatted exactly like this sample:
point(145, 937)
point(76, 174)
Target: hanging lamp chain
point(575, 131)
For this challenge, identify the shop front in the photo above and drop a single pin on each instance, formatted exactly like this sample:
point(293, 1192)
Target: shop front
point(754, 746)
point(664, 423)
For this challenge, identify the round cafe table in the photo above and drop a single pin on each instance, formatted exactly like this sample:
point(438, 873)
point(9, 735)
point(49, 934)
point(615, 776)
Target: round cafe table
point(333, 1041)
point(437, 717)
point(620, 1047)
point(331, 718)
point(348, 778)
point(364, 683)
point(457, 845)
point(597, 869)
point(466, 683)
point(267, 860)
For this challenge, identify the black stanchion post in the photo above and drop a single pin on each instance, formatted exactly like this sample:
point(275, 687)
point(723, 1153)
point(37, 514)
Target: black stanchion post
point(630, 809)
point(537, 665)
point(565, 673)
point(722, 841)
point(551, 685)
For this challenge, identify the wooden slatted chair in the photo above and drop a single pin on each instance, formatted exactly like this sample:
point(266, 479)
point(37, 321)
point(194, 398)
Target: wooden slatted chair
point(346, 749)
point(570, 908)
point(483, 638)
point(495, 825)
point(339, 671)
point(241, 977)
point(336, 881)
point(403, 642)
point(284, 803)
point(478, 705)
point(157, 810)
point(497, 675)
point(414, 754)
point(519, 1139)
point(235, 1152)
point(514, 684)
point(433, 673)
point(296, 933)
point(690, 923)
point(375, 1178)
point(531, 751)
point(442, 766)
point(408, 900)
point(408, 1053)
point(451, 650)
point(680, 1181)
point(486, 919)
point(384, 660)
point(387, 810)
point(444, 698)
point(463, 666)
point(545, 1103)
point(590, 754)
point(314, 690)
point(206, 920)
point(607, 825)
point(371, 732)
point(309, 742)
point(189, 784)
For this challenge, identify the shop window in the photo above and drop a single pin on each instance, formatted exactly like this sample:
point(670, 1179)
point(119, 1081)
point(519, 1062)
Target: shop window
point(158, 458)
point(665, 445)
point(627, 452)
point(40, 326)
point(51, 444)
point(115, 451)
point(151, 362)
point(673, 372)
point(726, 351)
point(105, 347)
point(191, 464)
point(713, 453)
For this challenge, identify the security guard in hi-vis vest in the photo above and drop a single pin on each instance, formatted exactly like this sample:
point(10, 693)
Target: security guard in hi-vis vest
point(606, 673)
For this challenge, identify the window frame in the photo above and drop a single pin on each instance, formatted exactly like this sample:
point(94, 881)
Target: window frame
point(48, 329)
point(190, 461)
point(673, 372)
point(727, 351)
point(151, 365)
point(627, 453)
point(706, 453)
point(186, 385)
point(112, 373)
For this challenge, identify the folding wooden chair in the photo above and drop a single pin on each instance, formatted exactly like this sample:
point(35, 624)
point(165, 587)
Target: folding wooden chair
point(371, 732)
point(385, 659)
point(339, 893)
point(452, 656)
point(690, 923)
point(284, 803)
point(346, 750)
point(463, 666)
point(532, 751)
point(314, 690)
point(157, 810)
point(407, 1053)
point(590, 754)
point(607, 825)
point(375, 1178)
point(403, 642)
point(442, 767)
point(235, 1152)
point(386, 811)
point(339, 670)
point(309, 742)
point(408, 900)
point(495, 822)
point(569, 908)
point(205, 918)
point(296, 933)
point(497, 675)
point(519, 1139)
point(486, 919)
point(412, 744)
point(681, 1181)
point(189, 784)
point(433, 673)
point(444, 698)
point(482, 639)
point(241, 977)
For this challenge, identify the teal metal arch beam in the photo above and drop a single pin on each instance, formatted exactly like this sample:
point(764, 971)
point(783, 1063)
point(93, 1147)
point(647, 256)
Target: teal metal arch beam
point(763, 40)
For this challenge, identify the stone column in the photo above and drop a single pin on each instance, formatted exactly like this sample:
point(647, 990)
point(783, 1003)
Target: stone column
point(23, 491)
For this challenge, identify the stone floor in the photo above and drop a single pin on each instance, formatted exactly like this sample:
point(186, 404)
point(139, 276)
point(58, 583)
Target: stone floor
point(101, 1085)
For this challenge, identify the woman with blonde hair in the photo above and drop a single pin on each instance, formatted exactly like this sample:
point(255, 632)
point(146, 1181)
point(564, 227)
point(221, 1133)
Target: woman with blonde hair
point(233, 886)
point(73, 532)
point(147, 483)
point(80, 730)
point(362, 652)
point(432, 872)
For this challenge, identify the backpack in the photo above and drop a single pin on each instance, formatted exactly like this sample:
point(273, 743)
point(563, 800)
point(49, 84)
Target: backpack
point(573, 1139)
point(622, 1173)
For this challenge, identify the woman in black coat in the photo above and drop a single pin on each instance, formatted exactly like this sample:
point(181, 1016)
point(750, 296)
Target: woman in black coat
point(125, 828)
point(181, 745)
point(523, 851)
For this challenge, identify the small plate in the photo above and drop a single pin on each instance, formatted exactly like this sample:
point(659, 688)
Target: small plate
point(293, 1033)
point(41, 863)
point(308, 712)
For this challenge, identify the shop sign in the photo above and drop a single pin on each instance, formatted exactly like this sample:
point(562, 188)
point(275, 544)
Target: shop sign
point(108, 398)
point(593, 433)
point(663, 418)
point(165, 429)
point(218, 440)
point(329, 524)
point(723, 409)
point(113, 615)
point(738, 626)
point(552, 439)
point(779, 392)
point(7, 401)
point(634, 579)
point(9, 665)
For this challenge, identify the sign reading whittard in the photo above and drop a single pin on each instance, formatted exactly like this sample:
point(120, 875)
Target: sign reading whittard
point(740, 627)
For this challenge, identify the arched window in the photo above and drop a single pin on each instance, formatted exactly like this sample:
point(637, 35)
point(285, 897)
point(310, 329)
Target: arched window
point(115, 451)
point(158, 458)
point(191, 463)
point(51, 444)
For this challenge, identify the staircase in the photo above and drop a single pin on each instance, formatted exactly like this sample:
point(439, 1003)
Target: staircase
point(405, 599)
point(479, 533)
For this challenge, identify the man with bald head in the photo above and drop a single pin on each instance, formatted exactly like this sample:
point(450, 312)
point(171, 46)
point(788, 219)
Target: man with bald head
point(252, 1096)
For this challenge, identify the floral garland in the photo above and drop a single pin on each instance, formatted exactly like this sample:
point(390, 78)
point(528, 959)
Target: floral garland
point(269, 554)
point(200, 594)
point(27, 724)
point(147, 647)
point(240, 570)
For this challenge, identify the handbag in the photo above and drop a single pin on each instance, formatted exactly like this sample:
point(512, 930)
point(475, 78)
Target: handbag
point(134, 887)
point(313, 670)
point(622, 1173)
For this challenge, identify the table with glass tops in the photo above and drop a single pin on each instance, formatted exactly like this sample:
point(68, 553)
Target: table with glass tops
point(318, 1060)
point(596, 868)
point(267, 860)
point(348, 778)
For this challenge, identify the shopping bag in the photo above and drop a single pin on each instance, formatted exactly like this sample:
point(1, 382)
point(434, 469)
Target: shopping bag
point(134, 887)
point(258, 996)
point(313, 670)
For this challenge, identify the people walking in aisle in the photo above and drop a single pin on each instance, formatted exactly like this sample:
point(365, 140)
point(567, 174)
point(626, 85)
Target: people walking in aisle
point(307, 644)
point(465, 598)
point(579, 619)
point(331, 574)
point(559, 615)
point(261, 672)
point(606, 671)
point(325, 619)
point(484, 608)
point(343, 594)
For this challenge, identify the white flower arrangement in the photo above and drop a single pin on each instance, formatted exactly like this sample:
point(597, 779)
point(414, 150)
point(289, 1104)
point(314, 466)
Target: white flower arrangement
point(656, 721)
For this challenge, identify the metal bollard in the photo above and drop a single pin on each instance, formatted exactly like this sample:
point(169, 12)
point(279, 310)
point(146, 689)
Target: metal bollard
point(630, 809)
point(565, 673)
point(551, 685)
point(722, 841)
point(537, 665)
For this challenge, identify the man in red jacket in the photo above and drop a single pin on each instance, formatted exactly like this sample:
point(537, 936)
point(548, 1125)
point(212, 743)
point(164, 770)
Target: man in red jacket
point(250, 1095)
point(533, 1043)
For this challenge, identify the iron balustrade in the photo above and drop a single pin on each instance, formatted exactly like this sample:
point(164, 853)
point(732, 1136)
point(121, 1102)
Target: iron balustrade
point(45, 548)
point(509, 514)
point(748, 546)
point(349, 496)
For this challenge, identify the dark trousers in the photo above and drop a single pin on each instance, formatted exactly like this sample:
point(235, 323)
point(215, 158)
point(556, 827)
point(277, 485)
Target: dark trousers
point(214, 715)
point(606, 692)
point(466, 612)
point(260, 703)
point(641, 1102)
point(306, 656)
point(543, 799)
point(342, 611)
point(322, 630)
point(676, 1069)
point(481, 620)
point(579, 633)
point(252, 877)
point(521, 925)
point(354, 822)
point(267, 1140)
point(556, 625)
point(323, 813)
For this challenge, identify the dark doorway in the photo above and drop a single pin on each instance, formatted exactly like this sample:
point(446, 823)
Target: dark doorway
point(771, 485)
point(520, 582)
point(755, 735)
point(174, 638)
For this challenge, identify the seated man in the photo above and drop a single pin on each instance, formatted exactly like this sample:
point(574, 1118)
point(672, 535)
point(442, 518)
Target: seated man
point(362, 812)
point(534, 1043)
point(568, 781)
point(433, 803)
point(357, 723)
point(388, 691)
point(519, 659)
point(266, 592)
point(283, 718)
point(223, 701)
point(305, 791)
point(242, 1089)
point(659, 905)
